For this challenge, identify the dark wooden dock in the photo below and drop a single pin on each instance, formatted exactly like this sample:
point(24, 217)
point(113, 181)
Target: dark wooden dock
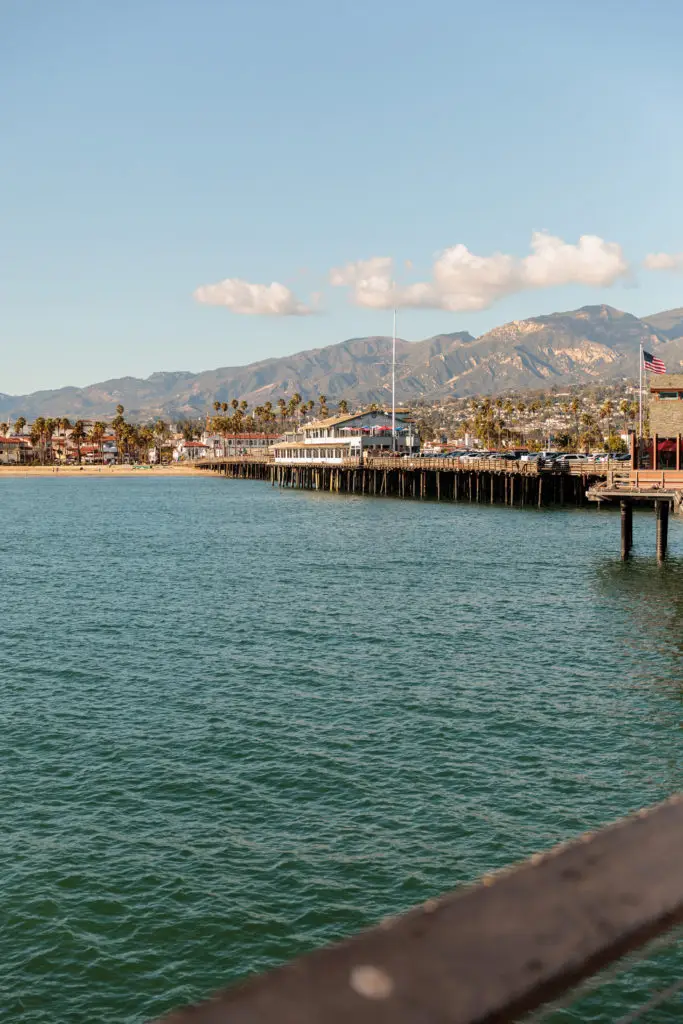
point(660, 488)
point(482, 481)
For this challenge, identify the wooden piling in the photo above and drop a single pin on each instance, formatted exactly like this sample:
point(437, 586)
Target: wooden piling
point(626, 529)
point(662, 508)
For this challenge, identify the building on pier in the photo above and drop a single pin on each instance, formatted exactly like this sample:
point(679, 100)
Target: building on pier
point(666, 422)
point(254, 443)
point(349, 436)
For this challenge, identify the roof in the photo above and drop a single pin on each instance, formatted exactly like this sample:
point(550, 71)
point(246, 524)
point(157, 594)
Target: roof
point(194, 444)
point(11, 440)
point(332, 421)
point(667, 382)
point(250, 437)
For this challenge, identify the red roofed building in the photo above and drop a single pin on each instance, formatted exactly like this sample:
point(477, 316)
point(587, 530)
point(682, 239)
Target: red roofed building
point(13, 451)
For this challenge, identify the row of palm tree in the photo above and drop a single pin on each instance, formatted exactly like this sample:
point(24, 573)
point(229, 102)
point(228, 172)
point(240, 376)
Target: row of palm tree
point(133, 441)
point(267, 418)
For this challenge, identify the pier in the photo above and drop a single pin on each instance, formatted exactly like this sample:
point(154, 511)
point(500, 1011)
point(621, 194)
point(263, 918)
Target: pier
point(480, 481)
point(658, 488)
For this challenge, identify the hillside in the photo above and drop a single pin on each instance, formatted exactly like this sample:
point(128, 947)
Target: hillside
point(668, 323)
point(580, 346)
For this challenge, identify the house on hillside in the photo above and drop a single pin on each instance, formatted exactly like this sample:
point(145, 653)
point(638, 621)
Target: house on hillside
point(349, 436)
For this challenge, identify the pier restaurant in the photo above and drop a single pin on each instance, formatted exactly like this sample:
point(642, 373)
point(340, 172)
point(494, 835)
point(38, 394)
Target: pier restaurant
point(349, 436)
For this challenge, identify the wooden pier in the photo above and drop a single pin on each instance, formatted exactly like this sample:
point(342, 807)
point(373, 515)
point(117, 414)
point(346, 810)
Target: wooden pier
point(481, 481)
point(660, 488)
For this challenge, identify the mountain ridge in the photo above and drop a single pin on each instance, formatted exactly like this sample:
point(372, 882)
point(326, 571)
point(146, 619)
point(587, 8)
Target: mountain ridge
point(573, 347)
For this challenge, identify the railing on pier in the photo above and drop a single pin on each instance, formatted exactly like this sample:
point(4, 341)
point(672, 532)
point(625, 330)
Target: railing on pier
point(515, 942)
point(388, 462)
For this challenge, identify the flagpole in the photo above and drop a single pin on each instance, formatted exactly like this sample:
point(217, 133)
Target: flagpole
point(393, 387)
point(640, 398)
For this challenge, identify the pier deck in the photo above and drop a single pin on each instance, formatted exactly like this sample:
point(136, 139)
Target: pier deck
point(490, 481)
point(662, 488)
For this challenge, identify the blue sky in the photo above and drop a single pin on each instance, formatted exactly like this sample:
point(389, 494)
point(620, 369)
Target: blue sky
point(152, 147)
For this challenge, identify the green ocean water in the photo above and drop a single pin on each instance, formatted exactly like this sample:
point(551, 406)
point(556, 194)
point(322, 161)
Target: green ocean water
point(237, 723)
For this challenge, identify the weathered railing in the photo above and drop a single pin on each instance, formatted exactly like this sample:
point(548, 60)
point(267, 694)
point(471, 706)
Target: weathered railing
point(387, 462)
point(491, 953)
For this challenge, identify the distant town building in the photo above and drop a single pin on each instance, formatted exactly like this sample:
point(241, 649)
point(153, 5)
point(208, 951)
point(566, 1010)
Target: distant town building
point(13, 451)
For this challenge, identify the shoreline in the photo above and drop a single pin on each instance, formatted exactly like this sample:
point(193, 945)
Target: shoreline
point(55, 472)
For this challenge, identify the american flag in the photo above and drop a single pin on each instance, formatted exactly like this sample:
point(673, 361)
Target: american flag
point(651, 362)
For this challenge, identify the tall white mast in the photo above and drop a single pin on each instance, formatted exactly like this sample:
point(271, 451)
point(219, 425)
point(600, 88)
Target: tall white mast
point(640, 401)
point(393, 387)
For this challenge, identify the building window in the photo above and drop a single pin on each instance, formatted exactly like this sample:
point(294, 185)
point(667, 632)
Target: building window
point(669, 394)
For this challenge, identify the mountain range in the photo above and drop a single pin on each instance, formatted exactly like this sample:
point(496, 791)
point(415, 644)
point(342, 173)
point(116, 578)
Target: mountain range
point(593, 343)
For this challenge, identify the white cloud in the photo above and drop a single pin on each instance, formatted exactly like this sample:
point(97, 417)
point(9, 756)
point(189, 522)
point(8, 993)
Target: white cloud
point(461, 280)
point(252, 299)
point(663, 261)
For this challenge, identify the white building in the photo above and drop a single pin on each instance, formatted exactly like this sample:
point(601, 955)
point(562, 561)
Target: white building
point(191, 450)
point(254, 443)
point(350, 436)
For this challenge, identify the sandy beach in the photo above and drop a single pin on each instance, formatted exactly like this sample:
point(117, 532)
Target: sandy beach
point(98, 471)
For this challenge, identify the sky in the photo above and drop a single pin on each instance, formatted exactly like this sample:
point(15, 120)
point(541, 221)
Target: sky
point(187, 184)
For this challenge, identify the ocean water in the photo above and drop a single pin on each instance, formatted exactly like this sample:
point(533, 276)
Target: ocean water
point(237, 722)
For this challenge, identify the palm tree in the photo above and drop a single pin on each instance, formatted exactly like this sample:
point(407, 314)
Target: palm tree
point(50, 428)
point(4, 429)
point(144, 441)
point(161, 431)
point(217, 406)
point(322, 399)
point(78, 437)
point(282, 406)
point(606, 410)
point(19, 425)
point(574, 409)
point(98, 432)
point(343, 406)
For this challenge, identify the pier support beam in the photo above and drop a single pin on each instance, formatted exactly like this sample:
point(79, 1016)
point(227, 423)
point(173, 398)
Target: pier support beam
point(626, 529)
point(662, 508)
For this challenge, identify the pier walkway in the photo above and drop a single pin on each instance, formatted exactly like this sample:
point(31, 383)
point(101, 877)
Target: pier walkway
point(490, 481)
